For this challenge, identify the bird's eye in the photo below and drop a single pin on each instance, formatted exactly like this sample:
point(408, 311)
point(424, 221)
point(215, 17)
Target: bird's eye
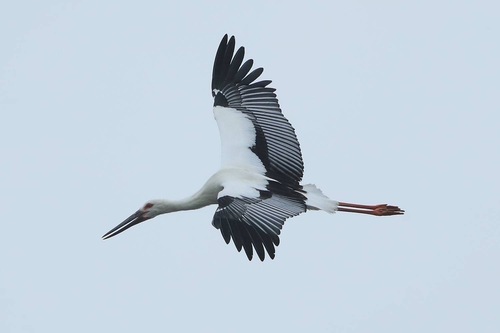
point(148, 205)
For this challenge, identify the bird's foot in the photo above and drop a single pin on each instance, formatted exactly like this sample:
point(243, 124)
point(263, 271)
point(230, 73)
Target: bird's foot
point(386, 210)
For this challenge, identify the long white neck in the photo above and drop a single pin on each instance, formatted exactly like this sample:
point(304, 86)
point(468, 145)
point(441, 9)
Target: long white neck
point(190, 203)
point(207, 195)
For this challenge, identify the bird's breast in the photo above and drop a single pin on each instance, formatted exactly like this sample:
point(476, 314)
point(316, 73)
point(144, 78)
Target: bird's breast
point(239, 183)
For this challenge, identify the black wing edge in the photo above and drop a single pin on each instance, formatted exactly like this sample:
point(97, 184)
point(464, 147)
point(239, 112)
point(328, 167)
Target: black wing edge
point(228, 219)
point(231, 70)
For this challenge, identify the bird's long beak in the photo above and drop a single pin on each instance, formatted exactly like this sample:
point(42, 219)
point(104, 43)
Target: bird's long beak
point(132, 220)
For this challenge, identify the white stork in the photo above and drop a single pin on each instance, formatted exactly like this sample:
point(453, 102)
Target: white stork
point(258, 186)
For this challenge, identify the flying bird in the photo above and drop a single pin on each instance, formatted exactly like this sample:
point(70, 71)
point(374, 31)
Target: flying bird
point(259, 183)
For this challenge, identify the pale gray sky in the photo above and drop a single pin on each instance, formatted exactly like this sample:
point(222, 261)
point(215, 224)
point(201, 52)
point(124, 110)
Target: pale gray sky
point(105, 105)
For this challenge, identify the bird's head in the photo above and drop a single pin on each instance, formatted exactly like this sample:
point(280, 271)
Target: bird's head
point(149, 210)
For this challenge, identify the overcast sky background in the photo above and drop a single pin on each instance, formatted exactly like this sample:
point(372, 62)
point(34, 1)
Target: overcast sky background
point(105, 105)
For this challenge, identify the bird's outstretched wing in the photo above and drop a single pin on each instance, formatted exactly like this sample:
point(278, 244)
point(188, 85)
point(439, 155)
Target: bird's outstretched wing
point(254, 133)
point(255, 222)
point(257, 138)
